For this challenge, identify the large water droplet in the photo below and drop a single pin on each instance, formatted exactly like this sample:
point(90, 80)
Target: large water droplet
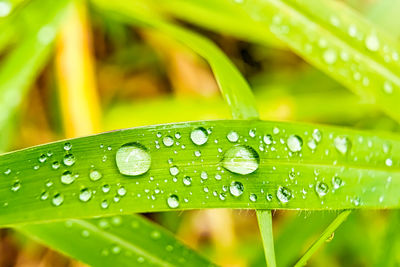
point(241, 159)
point(174, 170)
point(133, 159)
point(283, 194)
point(199, 136)
point(236, 189)
point(173, 201)
point(342, 144)
point(294, 143)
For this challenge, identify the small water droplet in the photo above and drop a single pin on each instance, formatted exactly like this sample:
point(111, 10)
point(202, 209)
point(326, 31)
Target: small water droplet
point(330, 56)
point(252, 133)
point(67, 146)
point(133, 159)
point(42, 158)
point(241, 159)
point(174, 170)
point(294, 143)
point(267, 139)
point(168, 141)
point(283, 194)
point(204, 175)
point(232, 136)
point(321, 188)
point(105, 188)
point(16, 186)
point(44, 195)
point(85, 195)
point(336, 182)
point(95, 175)
point(58, 199)
point(387, 87)
point(173, 201)
point(342, 144)
point(372, 42)
point(317, 135)
point(253, 197)
point(69, 160)
point(199, 136)
point(67, 178)
point(389, 162)
point(104, 204)
point(236, 189)
point(187, 180)
point(121, 191)
point(56, 165)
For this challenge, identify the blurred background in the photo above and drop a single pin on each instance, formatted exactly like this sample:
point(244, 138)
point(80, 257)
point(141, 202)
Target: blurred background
point(93, 73)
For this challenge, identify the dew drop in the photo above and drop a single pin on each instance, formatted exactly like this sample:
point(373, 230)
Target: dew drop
point(267, 139)
point(67, 146)
point(55, 165)
point(174, 170)
point(236, 189)
point(199, 136)
point(342, 144)
point(105, 188)
point(168, 141)
point(317, 135)
point(336, 182)
point(104, 204)
point(294, 143)
point(321, 188)
point(16, 186)
point(42, 158)
point(67, 178)
point(95, 175)
point(253, 197)
point(85, 195)
point(372, 42)
point(388, 162)
point(204, 175)
point(133, 159)
point(69, 160)
point(187, 180)
point(232, 136)
point(241, 159)
point(121, 191)
point(57, 200)
point(173, 201)
point(252, 133)
point(283, 194)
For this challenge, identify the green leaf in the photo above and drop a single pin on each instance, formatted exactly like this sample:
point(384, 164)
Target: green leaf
point(338, 41)
point(116, 241)
point(347, 169)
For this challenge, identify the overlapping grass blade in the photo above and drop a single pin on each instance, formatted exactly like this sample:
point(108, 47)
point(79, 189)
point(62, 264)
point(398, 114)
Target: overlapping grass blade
point(116, 241)
point(338, 41)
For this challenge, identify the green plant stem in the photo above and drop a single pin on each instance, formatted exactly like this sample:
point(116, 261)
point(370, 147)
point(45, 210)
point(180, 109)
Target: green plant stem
point(264, 218)
point(325, 235)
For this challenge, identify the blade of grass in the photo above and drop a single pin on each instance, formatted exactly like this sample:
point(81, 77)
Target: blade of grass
point(346, 170)
point(322, 239)
point(337, 40)
point(116, 241)
point(226, 74)
point(264, 218)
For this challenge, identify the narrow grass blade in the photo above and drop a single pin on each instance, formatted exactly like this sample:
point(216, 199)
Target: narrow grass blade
point(226, 74)
point(21, 66)
point(338, 41)
point(264, 218)
point(325, 235)
point(116, 241)
point(334, 169)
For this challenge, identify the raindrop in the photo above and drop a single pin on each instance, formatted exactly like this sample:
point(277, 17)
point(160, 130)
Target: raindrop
point(55, 165)
point(42, 158)
point(174, 170)
point(321, 188)
point(16, 186)
point(253, 197)
point(252, 133)
point(372, 42)
point(241, 159)
point(57, 200)
point(317, 135)
point(268, 197)
point(342, 144)
point(105, 188)
point(85, 195)
point(69, 160)
point(187, 180)
point(283, 194)
point(173, 201)
point(95, 175)
point(44, 195)
point(233, 136)
point(199, 136)
point(104, 204)
point(168, 141)
point(67, 146)
point(236, 189)
point(294, 143)
point(67, 178)
point(336, 182)
point(204, 175)
point(121, 191)
point(133, 159)
point(267, 139)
